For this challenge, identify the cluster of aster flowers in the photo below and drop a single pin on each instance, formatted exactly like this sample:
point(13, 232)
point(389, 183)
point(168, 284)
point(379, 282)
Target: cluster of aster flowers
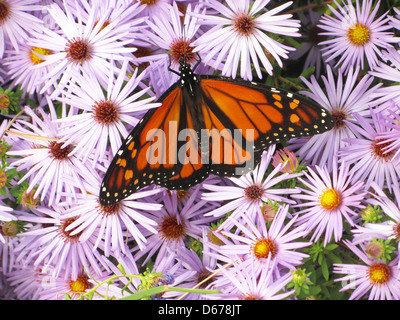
point(319, 217)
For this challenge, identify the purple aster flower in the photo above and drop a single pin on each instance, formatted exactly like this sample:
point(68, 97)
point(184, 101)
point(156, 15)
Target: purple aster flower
point(381, 280)
point(245, 195)
point(241, 281)
point(158, 8)
point(390, 139)
point(172, 272)
point(83, 46)
point(389, 229)
point(175, 223)
point(395, 21)
point(342, 99)
point(48, 244)
point(20, 65)
point(6, 215)
point(114, 224)
point(239, 34)
point(56, 288)
point(155, 8)
point(27, 281)
point(255, 243)
point(6, 290)
point(200, 268)
point(387, 96)
point(2, 76)
point(16, 21)
point(288, 159)
point(371, 162)
point(167, 271)
point(175, 38)
point(329, 197)
point(104, 114)
point(8, 251)
point(46, 164)
point(126, 263)
point(309, 43)
point(356, 34)
point(128, 13)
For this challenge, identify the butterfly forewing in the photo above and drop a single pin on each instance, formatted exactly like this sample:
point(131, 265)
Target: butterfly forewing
point(148, 155)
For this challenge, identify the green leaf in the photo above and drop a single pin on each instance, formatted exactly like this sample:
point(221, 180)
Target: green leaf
point(293, 42)
point(314, 290)
point(333, 257)
point(331, 246)
point(325, 269)
point(321, 258)
point(3, 192)
point(325, 292)
point(308, 72)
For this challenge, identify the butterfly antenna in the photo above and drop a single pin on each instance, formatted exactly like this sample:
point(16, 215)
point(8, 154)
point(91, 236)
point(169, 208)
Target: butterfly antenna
point(184, 49)
point(184, 43)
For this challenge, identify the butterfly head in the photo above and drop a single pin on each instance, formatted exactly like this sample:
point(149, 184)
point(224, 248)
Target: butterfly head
point(184, 67)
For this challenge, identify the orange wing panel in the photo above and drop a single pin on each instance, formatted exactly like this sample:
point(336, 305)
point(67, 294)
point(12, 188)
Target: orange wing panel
point(158, 137)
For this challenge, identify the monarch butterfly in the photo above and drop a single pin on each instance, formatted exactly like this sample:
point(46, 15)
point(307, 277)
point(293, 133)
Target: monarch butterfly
point(223, 115)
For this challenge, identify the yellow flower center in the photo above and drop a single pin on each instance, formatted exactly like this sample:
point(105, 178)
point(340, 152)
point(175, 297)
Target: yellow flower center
point(3, 178)
point(35, 58)
point(359, 34)
point(379, 273)
point(9, 229)
point(4, 102)
point(79, 286)
point(330, 199)
point(105, 24)
point(263, 247)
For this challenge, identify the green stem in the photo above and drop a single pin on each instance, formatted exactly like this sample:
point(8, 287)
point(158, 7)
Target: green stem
point(114, 277)
point(163, 289)
point(145, 293)
point(294, 85)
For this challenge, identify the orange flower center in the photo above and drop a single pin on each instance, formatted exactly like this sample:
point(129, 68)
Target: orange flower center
point(263, 247)
point(379, 273)
point(172, 229)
